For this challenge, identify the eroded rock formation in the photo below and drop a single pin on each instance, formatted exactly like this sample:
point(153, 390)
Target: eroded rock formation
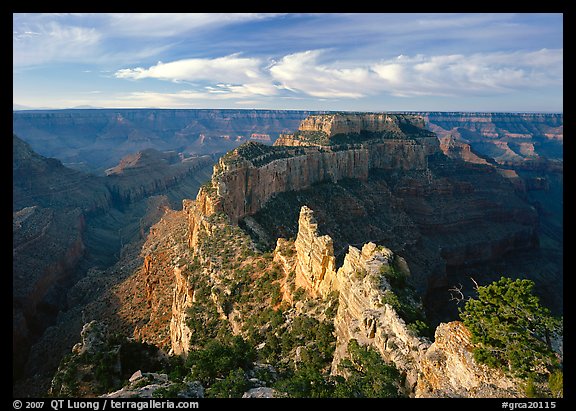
point(445, 368)
point(316, 264)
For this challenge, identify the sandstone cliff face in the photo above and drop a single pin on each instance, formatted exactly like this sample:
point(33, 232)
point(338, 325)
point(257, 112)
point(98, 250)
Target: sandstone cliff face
point(182, 300)
point(245, 189)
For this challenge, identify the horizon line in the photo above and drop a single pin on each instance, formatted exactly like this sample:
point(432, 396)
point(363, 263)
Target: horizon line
point(295, 110)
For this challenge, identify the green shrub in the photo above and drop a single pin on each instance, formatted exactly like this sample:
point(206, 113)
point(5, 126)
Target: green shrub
point(233, 386)
point(368, 376)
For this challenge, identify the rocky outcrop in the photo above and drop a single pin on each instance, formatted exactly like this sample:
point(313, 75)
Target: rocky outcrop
point(78, 374)
point(93, 337)
point(448, 369)
point(150, 384)
point(365, 315)
point(363, 311)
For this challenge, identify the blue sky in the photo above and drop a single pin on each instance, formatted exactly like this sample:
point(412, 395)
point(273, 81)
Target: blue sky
point(357, 62)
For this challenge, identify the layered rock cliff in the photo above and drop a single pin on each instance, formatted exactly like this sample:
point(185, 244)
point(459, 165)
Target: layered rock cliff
point(248, 177)
point(352, 123)
point(150, 172)
point(315, 263)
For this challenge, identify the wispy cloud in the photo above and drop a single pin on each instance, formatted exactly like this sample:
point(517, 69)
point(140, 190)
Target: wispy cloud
point(110, 38)
point(475, 74)
point(304, 72)
point(53, 42)
point(171, 24)
point(312, 74)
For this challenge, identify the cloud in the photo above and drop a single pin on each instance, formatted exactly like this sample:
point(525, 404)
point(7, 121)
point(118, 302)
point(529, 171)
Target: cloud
point(312, 73)
point(302, 72)
point(111, 38)
point(229, 69)
point(476, 74)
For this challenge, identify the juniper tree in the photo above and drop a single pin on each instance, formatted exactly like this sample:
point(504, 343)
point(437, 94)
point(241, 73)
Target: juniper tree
point(510, 328)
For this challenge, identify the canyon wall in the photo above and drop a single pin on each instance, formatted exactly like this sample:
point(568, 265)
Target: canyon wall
point(149, 172)
point(398, 189)
point(95, 139)
point(67, 222)
point(503, 138)
point(498, 125)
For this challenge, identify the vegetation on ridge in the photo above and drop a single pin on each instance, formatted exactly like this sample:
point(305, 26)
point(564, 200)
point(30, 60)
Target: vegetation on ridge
point(514, 333)
point(245, 335)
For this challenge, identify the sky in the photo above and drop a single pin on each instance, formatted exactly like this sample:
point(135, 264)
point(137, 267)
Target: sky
point(323, 61)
